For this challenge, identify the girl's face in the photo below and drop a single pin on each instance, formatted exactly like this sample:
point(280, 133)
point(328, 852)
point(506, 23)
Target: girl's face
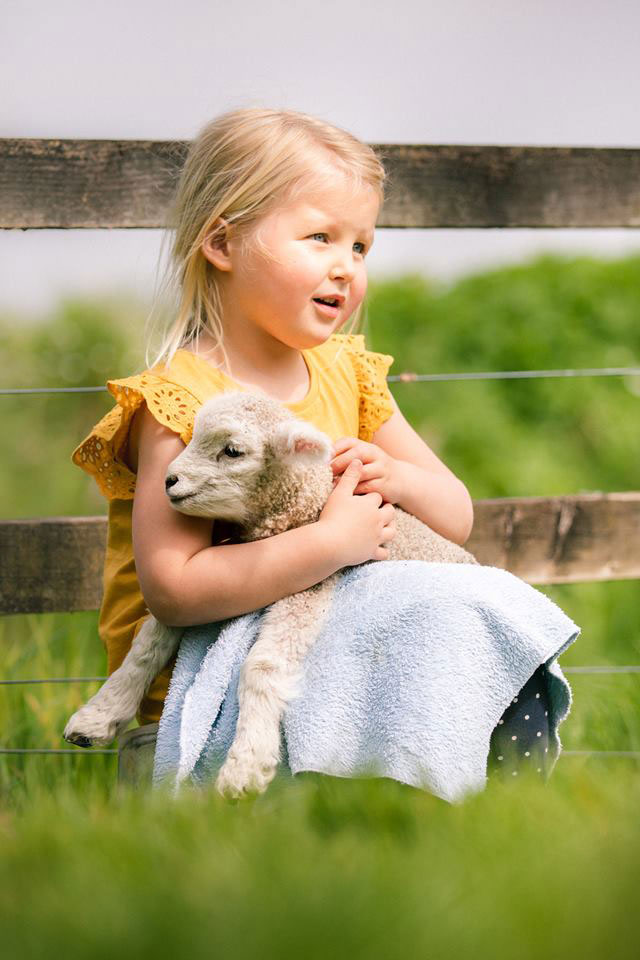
point(318, 244)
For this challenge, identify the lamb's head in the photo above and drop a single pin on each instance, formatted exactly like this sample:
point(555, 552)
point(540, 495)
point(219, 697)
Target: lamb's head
point(251, 462)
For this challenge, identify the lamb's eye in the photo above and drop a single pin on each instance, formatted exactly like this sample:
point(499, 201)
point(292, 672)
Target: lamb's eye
point(232, 451)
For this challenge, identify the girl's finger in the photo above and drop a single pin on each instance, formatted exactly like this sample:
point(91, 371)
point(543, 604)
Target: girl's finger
point(365, 487)
point(344, 443)
point(369, 474)
point(340, 464)
point(356, 449)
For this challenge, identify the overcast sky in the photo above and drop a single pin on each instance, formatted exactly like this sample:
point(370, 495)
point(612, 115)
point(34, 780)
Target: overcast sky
point(410, 71)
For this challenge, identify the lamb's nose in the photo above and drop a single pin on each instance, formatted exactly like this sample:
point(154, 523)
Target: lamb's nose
point(170, 482)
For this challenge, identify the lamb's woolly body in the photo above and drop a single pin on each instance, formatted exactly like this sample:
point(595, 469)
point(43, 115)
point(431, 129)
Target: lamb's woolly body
point(281, 478)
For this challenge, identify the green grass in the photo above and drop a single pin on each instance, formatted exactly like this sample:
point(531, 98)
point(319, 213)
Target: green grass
point(318, 866)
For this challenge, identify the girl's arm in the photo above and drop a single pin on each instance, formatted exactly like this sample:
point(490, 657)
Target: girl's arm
point(425, 485)
point(437, 498)
point(185, 580)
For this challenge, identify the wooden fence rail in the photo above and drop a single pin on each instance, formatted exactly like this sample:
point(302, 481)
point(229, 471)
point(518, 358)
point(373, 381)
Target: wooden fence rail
point(55, 563)
point(128, 183)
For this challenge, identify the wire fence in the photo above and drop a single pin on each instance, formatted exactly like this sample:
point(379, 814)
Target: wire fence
point(6, 683)
point(404, 377)
point(93, 752)
point(78, 752)
point(599, 668)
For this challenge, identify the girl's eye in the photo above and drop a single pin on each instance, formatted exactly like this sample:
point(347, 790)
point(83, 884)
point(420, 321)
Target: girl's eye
point(358, 243)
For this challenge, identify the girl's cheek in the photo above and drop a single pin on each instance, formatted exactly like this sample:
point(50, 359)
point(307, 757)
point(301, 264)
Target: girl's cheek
point(307, 266)
point(358, 291)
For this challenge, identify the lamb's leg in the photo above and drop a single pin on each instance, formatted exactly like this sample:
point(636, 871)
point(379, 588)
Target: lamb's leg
point(115, 704)
point(268, 681)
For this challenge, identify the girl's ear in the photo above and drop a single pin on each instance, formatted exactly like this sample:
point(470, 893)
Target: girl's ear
point(215, 247)
point(296, 442)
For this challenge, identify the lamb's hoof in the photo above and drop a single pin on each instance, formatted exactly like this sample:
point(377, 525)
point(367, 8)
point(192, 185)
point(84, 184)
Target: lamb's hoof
point(79, 740)
point(238, 777)
point(90, 728)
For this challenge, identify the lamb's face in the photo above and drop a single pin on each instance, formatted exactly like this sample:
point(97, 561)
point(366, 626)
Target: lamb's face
point(212, 476)
point(241, 442)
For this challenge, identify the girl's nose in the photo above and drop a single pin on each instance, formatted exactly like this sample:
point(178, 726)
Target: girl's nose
point(342, 270)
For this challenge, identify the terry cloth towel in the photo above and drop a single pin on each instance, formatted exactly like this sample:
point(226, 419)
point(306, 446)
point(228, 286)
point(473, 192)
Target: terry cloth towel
point(415, 665)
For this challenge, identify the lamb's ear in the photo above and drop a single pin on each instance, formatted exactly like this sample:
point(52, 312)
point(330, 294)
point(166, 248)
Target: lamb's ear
point(295, 441)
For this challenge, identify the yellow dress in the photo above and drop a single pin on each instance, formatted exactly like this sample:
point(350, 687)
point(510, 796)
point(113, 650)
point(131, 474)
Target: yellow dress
point(348, 396)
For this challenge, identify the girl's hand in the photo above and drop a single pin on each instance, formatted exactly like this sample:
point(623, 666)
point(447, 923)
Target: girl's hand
point(359, 528)
point(379, 473)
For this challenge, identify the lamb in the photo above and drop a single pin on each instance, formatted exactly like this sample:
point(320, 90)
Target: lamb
point(252, 463)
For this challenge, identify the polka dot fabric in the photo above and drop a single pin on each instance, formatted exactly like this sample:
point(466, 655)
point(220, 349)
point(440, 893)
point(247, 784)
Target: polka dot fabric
point(101, 453)
point(370, 368)
point(520, 740)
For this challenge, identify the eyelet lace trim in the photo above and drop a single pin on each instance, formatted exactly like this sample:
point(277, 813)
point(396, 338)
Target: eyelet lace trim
point(370, 368)
point(100, 454)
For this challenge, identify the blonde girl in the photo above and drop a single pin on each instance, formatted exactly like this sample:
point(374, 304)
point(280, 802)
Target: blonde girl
point(272, 221)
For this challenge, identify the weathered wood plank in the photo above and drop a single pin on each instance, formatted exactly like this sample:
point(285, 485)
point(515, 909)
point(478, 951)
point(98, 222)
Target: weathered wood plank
point(564, 539)
point(53, 563)
point(86, 183)
point(128, 183)
point(56, 563)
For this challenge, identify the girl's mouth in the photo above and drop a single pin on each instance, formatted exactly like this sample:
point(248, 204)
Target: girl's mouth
point(326, 308)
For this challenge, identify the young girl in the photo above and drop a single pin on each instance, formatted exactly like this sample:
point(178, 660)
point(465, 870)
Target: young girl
point(273, 219)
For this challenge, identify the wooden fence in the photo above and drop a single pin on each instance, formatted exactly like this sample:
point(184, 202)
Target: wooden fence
point(55, 563)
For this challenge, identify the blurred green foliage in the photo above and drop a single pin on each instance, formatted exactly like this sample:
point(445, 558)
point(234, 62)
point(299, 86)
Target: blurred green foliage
point(521, 437)
point(82, 344)
point(502, 437)
point(320, 866)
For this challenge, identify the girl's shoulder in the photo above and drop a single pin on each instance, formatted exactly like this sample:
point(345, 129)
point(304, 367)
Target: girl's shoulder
point(369, 370)
point(172, 394)
point(366, 363)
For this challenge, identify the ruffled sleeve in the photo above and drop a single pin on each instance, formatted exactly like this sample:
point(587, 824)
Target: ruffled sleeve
point(376, 405)
point(101, 454)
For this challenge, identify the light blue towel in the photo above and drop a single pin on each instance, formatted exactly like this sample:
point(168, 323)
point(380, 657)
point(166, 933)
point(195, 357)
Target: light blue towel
point(415, 665)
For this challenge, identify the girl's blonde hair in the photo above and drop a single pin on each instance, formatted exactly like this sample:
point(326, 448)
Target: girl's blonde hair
point(243, 165)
